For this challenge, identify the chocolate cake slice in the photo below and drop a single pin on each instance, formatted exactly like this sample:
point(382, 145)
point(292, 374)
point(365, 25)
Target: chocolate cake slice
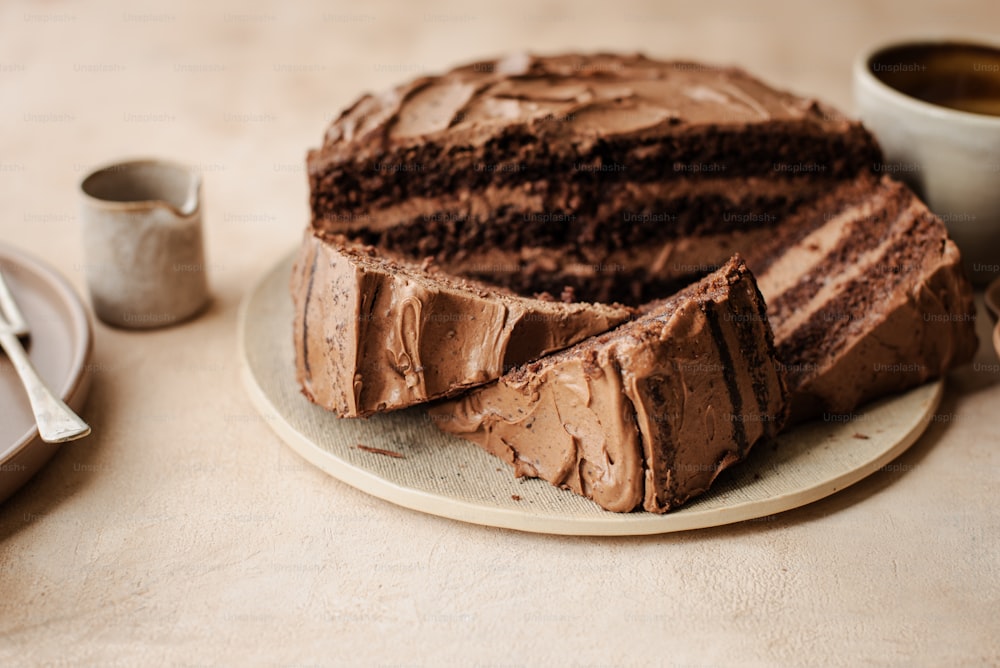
point(867, 296)
point(646, 415)
point(618, 175)
point(376, 334)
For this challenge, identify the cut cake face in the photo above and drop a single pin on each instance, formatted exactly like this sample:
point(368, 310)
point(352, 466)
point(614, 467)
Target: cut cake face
point(617, 175)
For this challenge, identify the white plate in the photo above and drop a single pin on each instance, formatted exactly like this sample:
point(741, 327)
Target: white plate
point(447, 476)
point(59, 348)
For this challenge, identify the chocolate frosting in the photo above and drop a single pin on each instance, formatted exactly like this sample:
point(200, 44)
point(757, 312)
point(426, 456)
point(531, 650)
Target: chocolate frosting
point(569, 423)
point(374, 334)
point(569, 99)
point(646, 415)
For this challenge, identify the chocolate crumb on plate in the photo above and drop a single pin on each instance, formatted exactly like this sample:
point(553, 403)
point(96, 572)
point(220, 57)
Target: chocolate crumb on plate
point(380, 451)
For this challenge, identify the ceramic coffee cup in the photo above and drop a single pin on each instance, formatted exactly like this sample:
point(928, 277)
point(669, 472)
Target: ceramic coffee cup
point(142, 240)
point(934, 107)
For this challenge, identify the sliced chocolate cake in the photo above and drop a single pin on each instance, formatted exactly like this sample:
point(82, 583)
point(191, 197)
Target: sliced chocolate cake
point(373, 334)
point(866, 295)
point(612, 178)
point(646, 415)
point(616, 175)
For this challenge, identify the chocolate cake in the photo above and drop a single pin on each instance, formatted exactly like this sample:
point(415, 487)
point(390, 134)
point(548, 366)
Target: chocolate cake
point(625, 177)
point(866, 295)
point(611, 178)
point(375, 334)
point(619, 176)
point(647, 414)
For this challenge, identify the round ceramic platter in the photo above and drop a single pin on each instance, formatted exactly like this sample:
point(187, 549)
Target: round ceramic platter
point(402, 458)
point(59, 348)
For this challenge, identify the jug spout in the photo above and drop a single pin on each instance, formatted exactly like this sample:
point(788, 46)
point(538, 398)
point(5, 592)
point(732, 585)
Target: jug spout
point(145, 184)
point(191, 201)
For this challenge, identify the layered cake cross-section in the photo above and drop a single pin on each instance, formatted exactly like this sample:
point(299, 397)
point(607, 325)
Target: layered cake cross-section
point(617, 175)
point(646, 415)
point(867, 296)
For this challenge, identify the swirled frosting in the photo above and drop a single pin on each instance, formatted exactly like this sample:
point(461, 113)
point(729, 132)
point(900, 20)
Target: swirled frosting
point(574, 97)
point(646, 415)
point(374, 334)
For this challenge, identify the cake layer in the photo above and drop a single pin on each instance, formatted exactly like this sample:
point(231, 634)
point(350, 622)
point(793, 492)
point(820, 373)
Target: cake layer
point(867, 297)
point(633, 276)
point(723, 204)
point(376, 334)
point(691, 153)
point(647, 414)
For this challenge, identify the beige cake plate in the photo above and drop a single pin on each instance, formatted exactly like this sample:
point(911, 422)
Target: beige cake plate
point(443, 475)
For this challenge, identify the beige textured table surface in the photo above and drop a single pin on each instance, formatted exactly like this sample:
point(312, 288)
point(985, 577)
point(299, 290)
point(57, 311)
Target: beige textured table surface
point(183, 532)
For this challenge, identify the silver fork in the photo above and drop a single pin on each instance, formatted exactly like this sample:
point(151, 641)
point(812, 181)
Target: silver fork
point(57, 423)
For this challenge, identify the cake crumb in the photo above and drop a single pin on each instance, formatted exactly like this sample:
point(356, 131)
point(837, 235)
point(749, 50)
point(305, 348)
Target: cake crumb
point(380, 451)
point(516, 497)
point(860, 436)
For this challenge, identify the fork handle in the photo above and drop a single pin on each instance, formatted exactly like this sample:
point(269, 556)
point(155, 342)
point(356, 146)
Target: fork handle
point(57, 423)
